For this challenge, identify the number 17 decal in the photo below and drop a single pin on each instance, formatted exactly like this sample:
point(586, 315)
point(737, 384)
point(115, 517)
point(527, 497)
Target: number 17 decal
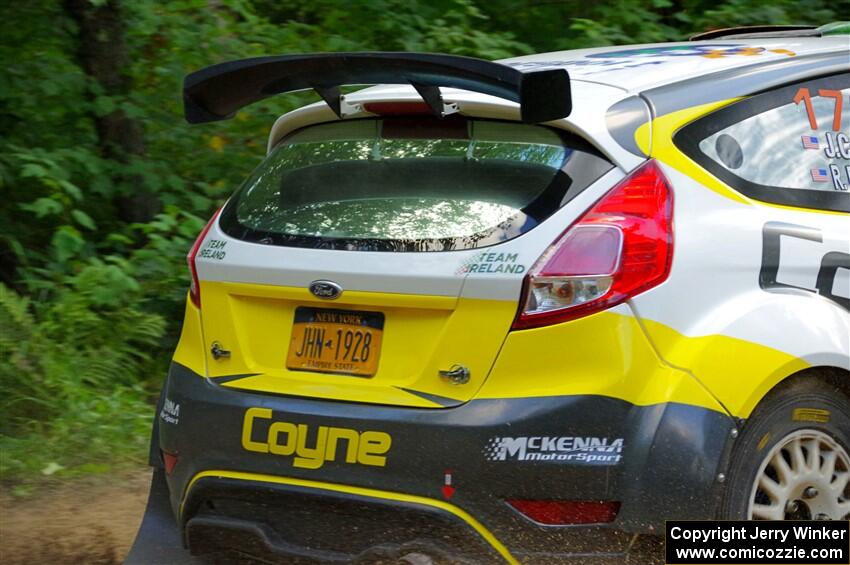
point(803, 95)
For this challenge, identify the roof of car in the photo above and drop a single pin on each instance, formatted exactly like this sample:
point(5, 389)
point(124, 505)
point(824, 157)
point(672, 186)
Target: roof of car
point(640, 67)
point(667, 76)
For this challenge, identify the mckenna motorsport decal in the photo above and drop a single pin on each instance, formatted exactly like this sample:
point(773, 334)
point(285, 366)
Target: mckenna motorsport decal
point(214, 249)
point(312, 446)
point(491, 262)
point(564, 449)
point(170, 413)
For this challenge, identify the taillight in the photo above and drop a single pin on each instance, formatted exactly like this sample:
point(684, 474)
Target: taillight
point(622, 246)
point(195, 286)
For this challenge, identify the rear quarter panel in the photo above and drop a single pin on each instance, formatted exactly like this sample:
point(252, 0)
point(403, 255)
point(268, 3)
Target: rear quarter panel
point(741, 309)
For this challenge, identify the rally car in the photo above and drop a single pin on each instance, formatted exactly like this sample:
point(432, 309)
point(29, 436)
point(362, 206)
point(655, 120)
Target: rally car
point(519, 311)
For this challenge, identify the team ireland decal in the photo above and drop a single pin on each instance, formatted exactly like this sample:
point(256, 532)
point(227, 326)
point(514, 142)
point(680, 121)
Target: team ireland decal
point(490, 262)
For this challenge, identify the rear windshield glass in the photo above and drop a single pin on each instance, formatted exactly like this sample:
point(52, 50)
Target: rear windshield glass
point(410, 184)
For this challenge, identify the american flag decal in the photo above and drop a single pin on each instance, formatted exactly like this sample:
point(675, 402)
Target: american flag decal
point(819, 175)
point(810, 142)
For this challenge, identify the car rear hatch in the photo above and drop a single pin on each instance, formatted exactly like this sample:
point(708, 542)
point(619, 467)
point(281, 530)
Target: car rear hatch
point(381, 260)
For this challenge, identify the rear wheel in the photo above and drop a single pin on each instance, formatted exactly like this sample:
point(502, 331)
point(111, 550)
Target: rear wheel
point(793, 461)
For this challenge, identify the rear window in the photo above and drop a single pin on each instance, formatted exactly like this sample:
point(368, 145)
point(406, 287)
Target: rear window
point(410, 184)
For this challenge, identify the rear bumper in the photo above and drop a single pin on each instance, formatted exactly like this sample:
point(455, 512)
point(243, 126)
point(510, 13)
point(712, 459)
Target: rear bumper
point(565, 448)
point(286, 518)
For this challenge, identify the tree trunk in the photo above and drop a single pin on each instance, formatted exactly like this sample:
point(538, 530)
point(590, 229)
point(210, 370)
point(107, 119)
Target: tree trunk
point(102, 53)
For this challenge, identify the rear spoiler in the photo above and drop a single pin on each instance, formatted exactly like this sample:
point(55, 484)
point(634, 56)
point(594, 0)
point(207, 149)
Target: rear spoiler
point(217, 92)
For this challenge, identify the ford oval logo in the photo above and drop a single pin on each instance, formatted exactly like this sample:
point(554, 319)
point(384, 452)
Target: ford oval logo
point(328, 290)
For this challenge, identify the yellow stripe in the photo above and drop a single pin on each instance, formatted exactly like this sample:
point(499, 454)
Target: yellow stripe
point(739, 372)
point(360, 491)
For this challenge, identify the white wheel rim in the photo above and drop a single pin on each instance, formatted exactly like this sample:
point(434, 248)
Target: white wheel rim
point(805, 476)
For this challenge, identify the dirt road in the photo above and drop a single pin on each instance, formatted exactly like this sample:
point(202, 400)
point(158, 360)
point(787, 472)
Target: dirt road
point(92, 520)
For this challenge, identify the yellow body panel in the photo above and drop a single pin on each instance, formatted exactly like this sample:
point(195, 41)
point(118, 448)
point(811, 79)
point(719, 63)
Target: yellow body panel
point(740, 373)
point(422, 335)
point(604, 354)
point(190, 349)
point(361, 491)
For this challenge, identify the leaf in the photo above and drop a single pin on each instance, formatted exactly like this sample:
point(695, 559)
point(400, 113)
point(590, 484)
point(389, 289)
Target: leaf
point(72, 190)
point(51, 468)
point(119, 239)
point(43, 207)
point(18, 249)
point(83, 219)
point(106, 285)
point(217, 143)
point(104, 105)
point(33, 170)
point(67, 242)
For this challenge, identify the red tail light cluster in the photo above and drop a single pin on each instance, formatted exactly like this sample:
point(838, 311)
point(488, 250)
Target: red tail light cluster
point(194, 286)
point(567, 512)
point(621, 247)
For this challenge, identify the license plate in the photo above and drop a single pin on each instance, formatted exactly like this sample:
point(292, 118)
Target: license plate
point(347, 342)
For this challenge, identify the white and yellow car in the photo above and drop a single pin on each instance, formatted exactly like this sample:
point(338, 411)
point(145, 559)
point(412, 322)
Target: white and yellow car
point(519, 310)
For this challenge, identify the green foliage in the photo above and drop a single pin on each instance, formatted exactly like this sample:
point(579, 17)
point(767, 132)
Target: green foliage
point(90, 304)
point(71, 371)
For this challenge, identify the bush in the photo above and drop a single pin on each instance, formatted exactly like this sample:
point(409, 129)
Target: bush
point(84, 357)
point(70, 389)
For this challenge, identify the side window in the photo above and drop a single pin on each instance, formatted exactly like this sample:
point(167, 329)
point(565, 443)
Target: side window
point(786, 146)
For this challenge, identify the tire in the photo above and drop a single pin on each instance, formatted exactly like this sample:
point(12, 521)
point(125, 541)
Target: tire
point(780, 462)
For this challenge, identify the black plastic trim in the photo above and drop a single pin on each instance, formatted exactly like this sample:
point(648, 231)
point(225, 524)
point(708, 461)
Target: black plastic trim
point(217, 92)
point(261, 506)
point(671, 456)
point(758, 31)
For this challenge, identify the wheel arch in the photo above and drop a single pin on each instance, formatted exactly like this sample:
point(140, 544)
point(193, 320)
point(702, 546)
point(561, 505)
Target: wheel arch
point(810, 401)
point(837, 377)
